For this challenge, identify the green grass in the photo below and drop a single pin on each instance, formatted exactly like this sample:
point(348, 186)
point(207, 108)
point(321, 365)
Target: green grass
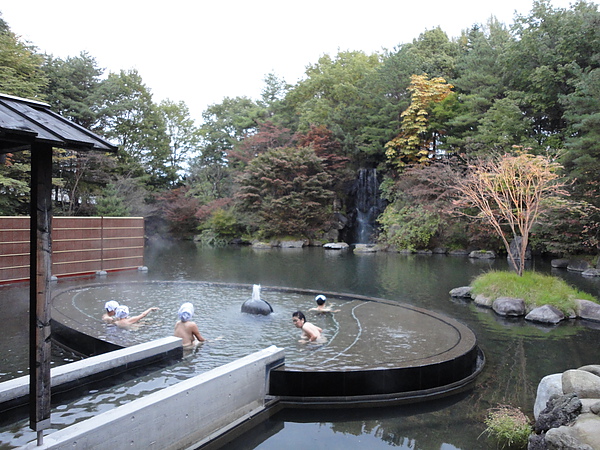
point(508, 426)
point(534, 288)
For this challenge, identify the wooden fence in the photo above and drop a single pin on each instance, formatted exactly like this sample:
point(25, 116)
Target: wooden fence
point(80, 245)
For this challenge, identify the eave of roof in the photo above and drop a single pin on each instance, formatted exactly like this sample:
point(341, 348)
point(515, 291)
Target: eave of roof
point(24, 123)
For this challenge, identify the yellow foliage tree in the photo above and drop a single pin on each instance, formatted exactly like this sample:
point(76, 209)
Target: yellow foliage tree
point(413, 144)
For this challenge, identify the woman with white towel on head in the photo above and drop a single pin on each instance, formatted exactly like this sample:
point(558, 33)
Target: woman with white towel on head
point(185, 328)
point(123, 319)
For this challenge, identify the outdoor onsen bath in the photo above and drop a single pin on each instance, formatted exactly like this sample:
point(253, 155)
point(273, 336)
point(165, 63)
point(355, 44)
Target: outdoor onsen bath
point(376, 352)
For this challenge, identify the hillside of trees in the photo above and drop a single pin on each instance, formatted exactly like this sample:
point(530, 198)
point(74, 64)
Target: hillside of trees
point(283, 165)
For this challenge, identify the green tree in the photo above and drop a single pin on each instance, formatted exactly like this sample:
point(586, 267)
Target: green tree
point(15, 172)
point(183, 135)
point(502, 126)
point(582, 112)
point(409, 228)
point(479, 82)
point(111, 204)
point(551, 46)
point(332, 95)
point(20, 75)
point(128, 117)
point(227, 123)
point(73, 85)
point(21, 71)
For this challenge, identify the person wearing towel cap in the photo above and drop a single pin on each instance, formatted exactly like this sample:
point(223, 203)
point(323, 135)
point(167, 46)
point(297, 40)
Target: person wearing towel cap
point(321, 307)
point(110, 307)
point(185, 328)
point(123, 319)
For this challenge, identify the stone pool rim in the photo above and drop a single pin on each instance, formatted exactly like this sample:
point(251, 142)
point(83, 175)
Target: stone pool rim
point(426, 378)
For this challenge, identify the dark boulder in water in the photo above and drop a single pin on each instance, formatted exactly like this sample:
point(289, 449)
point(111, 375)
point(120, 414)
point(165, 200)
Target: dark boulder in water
point(256, 305)
point(259, 306)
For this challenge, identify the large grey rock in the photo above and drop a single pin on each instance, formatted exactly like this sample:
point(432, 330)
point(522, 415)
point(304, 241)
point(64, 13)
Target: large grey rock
point(581, 383)
point(259, 244)
point(294, 244)
point(545, 314)
point(336, 245)
point(515, 247)
point(588, 310)
point(509, 306)
point(564, 438)
point(365, 248)
point(550, 386)
point(560, 410)
point(578, 265)
point(482, 300)
point(482, 254)
point(462, 292)
point(591, 273)
point(590, 405)
point(587, 428)
point(537, 442)
point(560, 263)
point(591, 368)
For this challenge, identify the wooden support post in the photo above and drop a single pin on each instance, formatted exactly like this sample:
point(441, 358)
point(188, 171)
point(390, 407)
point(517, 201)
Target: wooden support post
point(39, 295)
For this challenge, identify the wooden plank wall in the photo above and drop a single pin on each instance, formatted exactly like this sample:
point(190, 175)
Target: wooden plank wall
point(80, 245)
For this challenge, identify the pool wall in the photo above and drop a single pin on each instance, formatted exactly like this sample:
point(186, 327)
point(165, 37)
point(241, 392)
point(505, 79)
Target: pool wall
point(15, 392)
point(187, 414)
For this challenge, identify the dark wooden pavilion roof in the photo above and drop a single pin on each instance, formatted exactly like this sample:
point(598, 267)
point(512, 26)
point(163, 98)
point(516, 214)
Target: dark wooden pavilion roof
point(25, 122)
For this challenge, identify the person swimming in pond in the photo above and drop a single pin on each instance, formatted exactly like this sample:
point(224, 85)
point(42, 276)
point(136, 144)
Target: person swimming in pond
point(310, 332)
point(123, 319)
point(110, 307)
point(321, 307)
point(185, 328)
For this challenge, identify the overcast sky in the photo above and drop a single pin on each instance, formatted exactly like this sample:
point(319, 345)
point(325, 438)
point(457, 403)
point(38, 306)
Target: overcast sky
point(200, 51)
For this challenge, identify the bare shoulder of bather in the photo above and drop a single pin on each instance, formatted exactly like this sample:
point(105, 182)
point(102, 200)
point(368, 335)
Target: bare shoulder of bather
point(187, 331)
point(311, 331)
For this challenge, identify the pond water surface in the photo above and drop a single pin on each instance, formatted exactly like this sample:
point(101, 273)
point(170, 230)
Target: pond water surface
point(518, 353)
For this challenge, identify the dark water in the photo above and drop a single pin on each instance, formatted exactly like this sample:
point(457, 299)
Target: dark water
point(518, 353)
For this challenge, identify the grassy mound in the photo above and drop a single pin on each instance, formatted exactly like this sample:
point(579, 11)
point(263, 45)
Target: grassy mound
point(534, 288)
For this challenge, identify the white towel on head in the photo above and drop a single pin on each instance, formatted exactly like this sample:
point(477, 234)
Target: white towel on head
point(320, 297)
point(122, 312)
point(186, 311)
point(111, 305)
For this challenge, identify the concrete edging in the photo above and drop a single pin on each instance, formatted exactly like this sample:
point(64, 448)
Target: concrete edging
point(16, 391)
point(188, 413)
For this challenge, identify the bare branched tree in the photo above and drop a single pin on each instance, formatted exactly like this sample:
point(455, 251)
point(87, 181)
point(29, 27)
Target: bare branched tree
point(511, 192)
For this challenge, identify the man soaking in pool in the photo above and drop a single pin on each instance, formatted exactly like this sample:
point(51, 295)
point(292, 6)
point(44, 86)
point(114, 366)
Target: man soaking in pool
point(185, 328)
point(310, 332)
point(123, 319)
point(321, 307)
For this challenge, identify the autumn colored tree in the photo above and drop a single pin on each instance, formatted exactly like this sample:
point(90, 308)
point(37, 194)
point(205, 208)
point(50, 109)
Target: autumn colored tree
point(511, 192)
point(179, 209)
point(285, 191)
point(330, 150)
point(416, 140)
point(268, 136)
